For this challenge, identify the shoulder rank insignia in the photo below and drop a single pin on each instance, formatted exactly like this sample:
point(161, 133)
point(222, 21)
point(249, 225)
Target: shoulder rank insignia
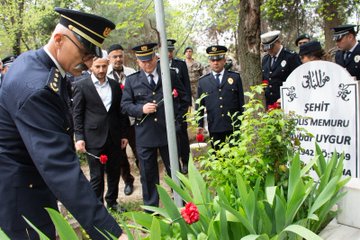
point(54, 79)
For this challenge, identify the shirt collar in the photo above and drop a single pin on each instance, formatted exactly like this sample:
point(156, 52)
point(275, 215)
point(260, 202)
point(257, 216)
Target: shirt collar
point(221, 73)
point(61, 70)
point(96, 81)
point(278, 53)
point(353, 48)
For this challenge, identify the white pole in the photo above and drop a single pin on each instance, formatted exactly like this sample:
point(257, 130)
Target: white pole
point(168, 101)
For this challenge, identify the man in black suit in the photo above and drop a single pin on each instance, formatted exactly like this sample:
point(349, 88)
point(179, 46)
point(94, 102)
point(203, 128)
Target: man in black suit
point(38, 162)
point(143, 99)
point(183, 138)
point(100, 128)
point(224, 96)
point(348, 55)
point(277, 65)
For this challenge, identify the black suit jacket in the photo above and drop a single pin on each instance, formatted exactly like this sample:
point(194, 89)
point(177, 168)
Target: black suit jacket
point(181, 69)
point(38, 163)
point(221, 100)
point(92, 123)
point(150, 130)
point(352, 64)
point(278, 73)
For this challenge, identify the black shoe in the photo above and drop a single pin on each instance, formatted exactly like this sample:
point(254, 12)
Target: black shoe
point(117, 208)
point(129, 188)
point(184, 169)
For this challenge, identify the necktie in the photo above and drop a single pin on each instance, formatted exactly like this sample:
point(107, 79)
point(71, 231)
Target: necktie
point(347, 55)
point(217, 77)
point(273, 60)
point(152, 82)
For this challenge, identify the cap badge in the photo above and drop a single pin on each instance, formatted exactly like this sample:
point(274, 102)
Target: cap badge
point(283, 63)
point(230, 81)
point(144, 48)
point(357, 58)
point(214, 49)
point(106, 32)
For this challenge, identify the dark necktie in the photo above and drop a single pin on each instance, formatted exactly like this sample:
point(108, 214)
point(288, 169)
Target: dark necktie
point(152, 82)
point(347, 55)
point(273, 60)
point(217, 77)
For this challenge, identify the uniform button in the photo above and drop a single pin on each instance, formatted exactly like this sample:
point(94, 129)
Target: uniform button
point(155, 119)
point(220, 98)
point(222, 115)
point(270, 86)
point(270, 72)
point(137, 124)
point(219, 89)
point(30, 185)
point(271, 93)
point(269, 79)
point(154, 101)
point(154, 93)
point(221, 106)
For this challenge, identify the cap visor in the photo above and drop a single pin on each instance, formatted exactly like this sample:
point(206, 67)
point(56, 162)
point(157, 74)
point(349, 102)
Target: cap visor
point(145, 58)
point(217, 57)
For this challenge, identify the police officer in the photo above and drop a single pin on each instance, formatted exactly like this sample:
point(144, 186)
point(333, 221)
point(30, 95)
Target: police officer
point(302, 39)
point(38, 163)
point(348, 54)
point(224, 95)
point(277, 65)
point(143, 99)
point(181, 69)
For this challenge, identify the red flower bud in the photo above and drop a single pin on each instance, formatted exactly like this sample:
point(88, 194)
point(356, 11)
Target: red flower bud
point(275, 105)
point(175, 93)
point(190, 213)
point(103, 158)
point(200, 137)
point(265, 83)
point(122, 86)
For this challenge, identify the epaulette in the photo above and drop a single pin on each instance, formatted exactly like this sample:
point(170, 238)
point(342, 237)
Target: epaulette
point(137, 72)
point(289, 51)
point(54, 80)
point(230, 71)
point(204, 75)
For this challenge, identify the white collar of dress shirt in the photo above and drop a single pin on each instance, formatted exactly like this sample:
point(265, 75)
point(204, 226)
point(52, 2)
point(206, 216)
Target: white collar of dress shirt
point(353, 48)
point(221, 73)
point(61, 70)
point(96, 81)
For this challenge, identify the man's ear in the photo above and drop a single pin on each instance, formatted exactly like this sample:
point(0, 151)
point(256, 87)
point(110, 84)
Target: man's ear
point(58, 39)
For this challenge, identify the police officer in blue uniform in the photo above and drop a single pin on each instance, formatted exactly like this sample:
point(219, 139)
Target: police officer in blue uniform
point(143, 99)
point(38, 163)
point(183, 138)
point(348, 55)
point(277, 65)
point(224, 95)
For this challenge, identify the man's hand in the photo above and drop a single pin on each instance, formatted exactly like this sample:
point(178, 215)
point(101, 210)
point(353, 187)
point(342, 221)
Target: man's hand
point(80, 146)
point(149, 108)
point(200, 130)
point(124, 143)
point(123, 237)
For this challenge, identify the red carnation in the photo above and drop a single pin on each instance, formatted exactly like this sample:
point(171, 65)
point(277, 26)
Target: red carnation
point(122, 86)
point(103, 158)
point(275, 105)
point(200, 137)
point(190, 213)
point(175, 93)
point(265, 83)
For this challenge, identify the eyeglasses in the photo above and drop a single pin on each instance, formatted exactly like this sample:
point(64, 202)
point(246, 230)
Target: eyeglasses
point(87, 56)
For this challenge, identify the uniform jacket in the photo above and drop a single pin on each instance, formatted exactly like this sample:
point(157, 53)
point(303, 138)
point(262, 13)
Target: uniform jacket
point(181, 69)
point(221, 100)
point(38, 164)
point(278, 73)
point(150, 130)
point(352, 64)
point(92, 122)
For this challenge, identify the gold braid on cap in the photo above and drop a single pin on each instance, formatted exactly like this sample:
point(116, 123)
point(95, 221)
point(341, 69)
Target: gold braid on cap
point(78, 31)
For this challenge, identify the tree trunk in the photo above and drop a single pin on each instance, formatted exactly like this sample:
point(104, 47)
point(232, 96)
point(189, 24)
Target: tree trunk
point(249, 43)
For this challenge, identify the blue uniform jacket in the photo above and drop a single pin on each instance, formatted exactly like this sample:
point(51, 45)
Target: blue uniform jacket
point(221, 100)
point(181, 69)
point(352, 64)
point(38, 164)
point(278, 73)
point(150, 130)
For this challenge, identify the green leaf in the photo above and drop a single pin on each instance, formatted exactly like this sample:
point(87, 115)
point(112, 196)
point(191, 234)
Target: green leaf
point(155, 230)
point(41, 235)
point(63, 228)
point(270, 194)
point(302, 231)
point(256, 237)
point(3, 236)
